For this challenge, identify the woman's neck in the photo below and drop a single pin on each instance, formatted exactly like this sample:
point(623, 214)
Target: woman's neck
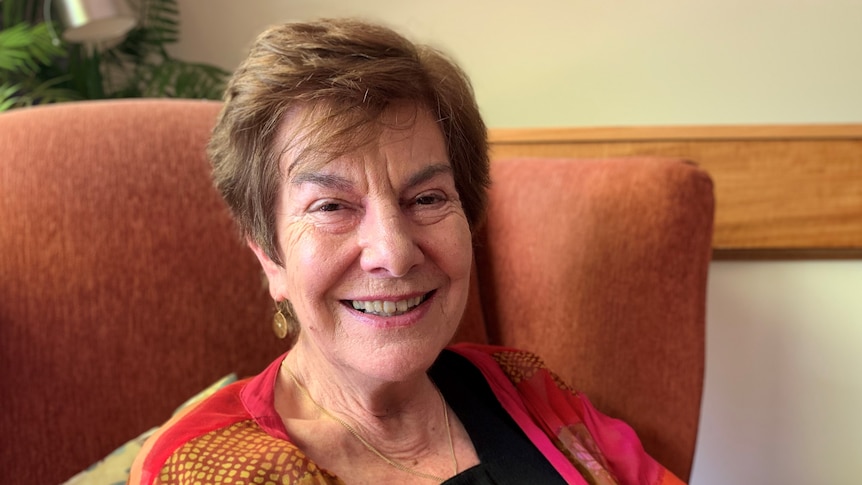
point(406, 414)
point(407, 421)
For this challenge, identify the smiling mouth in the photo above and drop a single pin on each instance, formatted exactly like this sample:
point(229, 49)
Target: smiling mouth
point(383, 308)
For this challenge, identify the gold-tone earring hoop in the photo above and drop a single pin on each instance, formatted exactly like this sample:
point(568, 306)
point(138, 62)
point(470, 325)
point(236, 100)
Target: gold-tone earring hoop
point(279, 324)
point(284, 323)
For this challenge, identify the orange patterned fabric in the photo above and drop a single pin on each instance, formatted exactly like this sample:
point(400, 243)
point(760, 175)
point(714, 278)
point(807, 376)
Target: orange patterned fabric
point(241, 453)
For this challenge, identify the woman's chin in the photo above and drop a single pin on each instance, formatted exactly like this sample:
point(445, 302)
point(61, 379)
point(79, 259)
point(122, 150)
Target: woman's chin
point(394, 360)
point(388, 353)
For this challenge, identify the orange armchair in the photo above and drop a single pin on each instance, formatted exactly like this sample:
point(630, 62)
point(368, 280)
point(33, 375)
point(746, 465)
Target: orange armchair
point(124, 288)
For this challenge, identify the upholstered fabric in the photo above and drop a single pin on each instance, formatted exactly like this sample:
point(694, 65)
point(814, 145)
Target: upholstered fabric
point(599, 266)
point(124, 288)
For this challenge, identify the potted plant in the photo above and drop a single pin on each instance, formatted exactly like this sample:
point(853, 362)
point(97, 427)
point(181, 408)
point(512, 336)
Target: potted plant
point(37, 67)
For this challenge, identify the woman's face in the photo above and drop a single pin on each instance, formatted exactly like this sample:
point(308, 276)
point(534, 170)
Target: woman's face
point(376, 251)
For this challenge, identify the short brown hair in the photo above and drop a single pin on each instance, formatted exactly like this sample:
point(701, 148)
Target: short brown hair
point(356, 70)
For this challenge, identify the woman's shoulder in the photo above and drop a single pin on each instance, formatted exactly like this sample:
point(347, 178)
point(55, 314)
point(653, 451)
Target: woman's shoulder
point(220, 410)
point(562, 422)
point(233, 410)
point(224, 436)
point(242, 450)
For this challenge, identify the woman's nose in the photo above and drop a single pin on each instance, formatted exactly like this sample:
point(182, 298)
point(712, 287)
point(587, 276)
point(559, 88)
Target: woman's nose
point(388, 242)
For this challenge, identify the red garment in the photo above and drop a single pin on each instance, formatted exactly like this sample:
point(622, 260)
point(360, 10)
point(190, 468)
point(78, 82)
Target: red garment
point(237, 432)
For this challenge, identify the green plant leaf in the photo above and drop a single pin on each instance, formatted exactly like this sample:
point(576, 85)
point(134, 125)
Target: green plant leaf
point(161, 20)
point(23, 48)
point(47, 92)
point(179, 79)
point(9, 96)
point(35, 70)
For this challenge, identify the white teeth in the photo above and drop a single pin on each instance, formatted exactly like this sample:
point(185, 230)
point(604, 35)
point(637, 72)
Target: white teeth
point(386, 308)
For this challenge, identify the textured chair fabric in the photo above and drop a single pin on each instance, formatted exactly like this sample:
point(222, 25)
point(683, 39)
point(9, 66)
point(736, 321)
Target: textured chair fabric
point(124, 288)
point(600, 267)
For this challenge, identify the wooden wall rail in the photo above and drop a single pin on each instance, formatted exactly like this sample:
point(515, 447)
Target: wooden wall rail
point(782, 192)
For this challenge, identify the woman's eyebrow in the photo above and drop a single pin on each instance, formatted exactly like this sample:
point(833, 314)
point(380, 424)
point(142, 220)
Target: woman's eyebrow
point(337, 182)
point(427, 174)
point(321, 179)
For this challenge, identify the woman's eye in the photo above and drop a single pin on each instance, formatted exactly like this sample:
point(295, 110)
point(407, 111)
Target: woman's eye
point(329, 207)
point(428, 199)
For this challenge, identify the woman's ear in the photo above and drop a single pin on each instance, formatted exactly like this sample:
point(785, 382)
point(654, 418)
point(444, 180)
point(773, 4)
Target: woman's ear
point(274, 272)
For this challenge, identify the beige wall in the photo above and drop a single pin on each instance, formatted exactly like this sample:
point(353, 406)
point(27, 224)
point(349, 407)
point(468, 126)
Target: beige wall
point(610, 62)
point(783, 386)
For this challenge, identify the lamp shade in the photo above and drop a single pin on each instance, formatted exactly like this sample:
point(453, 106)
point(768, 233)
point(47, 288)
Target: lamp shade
point(94, 20)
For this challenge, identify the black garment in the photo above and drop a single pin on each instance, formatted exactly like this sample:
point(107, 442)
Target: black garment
point(505, 453)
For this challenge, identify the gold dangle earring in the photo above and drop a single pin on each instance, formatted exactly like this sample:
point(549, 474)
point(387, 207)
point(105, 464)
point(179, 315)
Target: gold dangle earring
point(284, 323)
point(279, 324)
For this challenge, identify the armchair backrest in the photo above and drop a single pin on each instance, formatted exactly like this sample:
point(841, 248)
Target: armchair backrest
point(125, 289)
point(600, 267)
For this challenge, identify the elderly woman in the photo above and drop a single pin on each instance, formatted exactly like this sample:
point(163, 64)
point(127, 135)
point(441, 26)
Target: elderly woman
point(356, 165)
